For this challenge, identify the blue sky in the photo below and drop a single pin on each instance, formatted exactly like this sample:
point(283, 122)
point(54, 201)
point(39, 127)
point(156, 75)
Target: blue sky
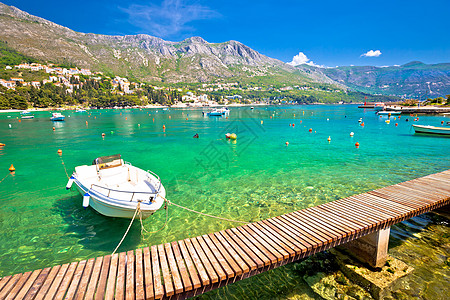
point(328, 33)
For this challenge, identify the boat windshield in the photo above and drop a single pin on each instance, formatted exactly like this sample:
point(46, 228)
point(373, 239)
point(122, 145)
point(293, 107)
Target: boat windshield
point(106, 162)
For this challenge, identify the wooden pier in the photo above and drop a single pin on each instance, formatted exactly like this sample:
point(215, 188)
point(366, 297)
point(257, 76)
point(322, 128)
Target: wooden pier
point(194, 266)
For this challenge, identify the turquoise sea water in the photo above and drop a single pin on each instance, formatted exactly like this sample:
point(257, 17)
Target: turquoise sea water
point(255, 177)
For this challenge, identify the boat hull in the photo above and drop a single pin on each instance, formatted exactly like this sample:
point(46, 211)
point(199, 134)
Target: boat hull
point(432, 130)
point(102, 206)
point(392, 113)
point(57, 119)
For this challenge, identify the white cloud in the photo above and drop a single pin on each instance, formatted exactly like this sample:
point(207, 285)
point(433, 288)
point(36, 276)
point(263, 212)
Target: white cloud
point(372, 53)
point(300, 59)
point(169, 18)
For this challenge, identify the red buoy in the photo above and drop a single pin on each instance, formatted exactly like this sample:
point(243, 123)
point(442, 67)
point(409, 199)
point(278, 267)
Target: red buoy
point(310, 130)
point(357, 145)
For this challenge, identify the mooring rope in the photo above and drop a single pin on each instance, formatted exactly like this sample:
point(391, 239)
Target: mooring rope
point(166, 207)
point(207, 215)
point(5, 177)
point(138, 208)
point(64, 165)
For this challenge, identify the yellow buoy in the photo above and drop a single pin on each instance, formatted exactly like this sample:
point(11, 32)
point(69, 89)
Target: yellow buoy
point(233, 136)
point(12, 169)
point(287, 143)
point(262, 122)
point(329, 138)
point(59, 151)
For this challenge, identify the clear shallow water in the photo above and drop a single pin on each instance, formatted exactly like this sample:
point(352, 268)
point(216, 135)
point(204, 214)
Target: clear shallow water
point(256, 177)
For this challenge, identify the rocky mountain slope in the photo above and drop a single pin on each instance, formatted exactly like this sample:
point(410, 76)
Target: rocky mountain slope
point(143, 57)
point(414, 79)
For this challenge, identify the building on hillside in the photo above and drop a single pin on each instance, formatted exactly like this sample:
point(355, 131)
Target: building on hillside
point(36, 84)
point(8, 84)
point(8, 68)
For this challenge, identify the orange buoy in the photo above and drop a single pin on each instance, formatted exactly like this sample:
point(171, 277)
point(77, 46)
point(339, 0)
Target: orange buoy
point(12, 169)
point(417, 118)
point(329, 139)
point(287, 143)
point(86, 122)
point(95, 117)
point(153, 119)
point(442, 122)
point(396, 124)
point(301, 121)
point(399, 117)
point(59, 151)
point(293, 125)
point(187, 119)
point(170, 117)
point(290, 124)
point(20, 121)
point(310, 130)
point(103, 134)
point(357, 145)
point(362, 124)
point(54, 129)
point(126, 118)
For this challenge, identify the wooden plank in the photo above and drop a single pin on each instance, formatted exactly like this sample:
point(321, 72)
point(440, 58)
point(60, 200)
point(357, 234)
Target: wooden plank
point(168, 285)
point(349, 215)
point(212, 259)
point(294, 244)
point(209, 268)
point(61, 289)
point(34, 289)
point(311, 222)
point(84, 281)
point(233, 259)
point(149, 293)
point(374, 213)
point(159, 289)
point(111, 284)
point(397, 213)
point(278, 236)
point(268, 244)
point(75, 281)
point(244, 261)
point(120, 280)
point(28, 284)
point(338, 228)
point(182, 267)
point(90, 291)
point(176, 277)
point(190, 266)
point(49, 280)
point(219, 256)
point(294, 234)
point(197, 262)
point(336, 221)
point(10, 285)
point(443, 195)
point(103, 279)
point(129, 284)
point(246, 243)
point(347, 205)
point(18, 286)
point(140, 293)
point(318, 239)
point(4, 281)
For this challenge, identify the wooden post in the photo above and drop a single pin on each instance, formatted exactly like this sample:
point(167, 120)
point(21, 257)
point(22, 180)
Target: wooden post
point(371, 248)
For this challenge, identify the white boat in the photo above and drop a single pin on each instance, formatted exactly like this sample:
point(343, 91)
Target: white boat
point(378, 106)
point(114, 188)
point(389, 112)
point(57, 117)
point(80, 110)
point(428, 129)
point(27, 116)
point(218, 112)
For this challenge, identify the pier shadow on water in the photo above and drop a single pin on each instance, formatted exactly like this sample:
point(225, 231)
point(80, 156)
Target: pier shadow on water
point(94, 231)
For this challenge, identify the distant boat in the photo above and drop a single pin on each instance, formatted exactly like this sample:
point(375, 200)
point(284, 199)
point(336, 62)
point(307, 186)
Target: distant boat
point(378, 106)
point(57, 117)
point(389, 112)
point(114, 187)
point(428, 129)
point(218, 112)
point(252, 107)
point(79, 110)
point(27, 117)
point(25, 112)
